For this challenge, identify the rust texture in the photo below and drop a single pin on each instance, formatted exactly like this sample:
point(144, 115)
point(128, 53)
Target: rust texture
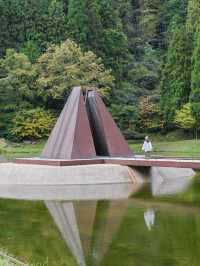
point(71, 137)
point(107, 137)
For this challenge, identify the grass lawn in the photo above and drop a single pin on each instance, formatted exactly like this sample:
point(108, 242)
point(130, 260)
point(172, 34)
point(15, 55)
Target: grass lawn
point(14, 150)
point(185, 148)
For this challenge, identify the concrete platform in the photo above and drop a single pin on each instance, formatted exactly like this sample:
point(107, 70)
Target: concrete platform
point(41, 182)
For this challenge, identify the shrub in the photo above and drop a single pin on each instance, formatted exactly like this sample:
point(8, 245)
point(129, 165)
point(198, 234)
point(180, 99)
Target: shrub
point(32, 124)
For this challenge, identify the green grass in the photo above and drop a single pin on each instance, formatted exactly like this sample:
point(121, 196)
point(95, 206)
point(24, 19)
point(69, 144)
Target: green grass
point(185, 148)
point(14, 150)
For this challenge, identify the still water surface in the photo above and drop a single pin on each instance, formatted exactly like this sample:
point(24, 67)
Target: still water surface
point(158, 226)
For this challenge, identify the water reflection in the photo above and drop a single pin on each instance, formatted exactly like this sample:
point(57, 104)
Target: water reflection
point(64, 216)
point(149, 218)
point(106, 224)
point(89, 227)
point(169, 181)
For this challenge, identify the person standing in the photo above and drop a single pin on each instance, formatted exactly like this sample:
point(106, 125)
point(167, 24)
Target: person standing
point(147, 147)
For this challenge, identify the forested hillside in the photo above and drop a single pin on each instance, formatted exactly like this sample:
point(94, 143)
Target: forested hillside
point(143, 55)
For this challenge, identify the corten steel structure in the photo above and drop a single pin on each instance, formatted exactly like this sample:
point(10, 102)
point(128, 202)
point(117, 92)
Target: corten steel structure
point(71, 137)
point(107, 137)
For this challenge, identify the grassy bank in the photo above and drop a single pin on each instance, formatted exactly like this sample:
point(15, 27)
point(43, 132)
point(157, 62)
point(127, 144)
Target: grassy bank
point(185, 148)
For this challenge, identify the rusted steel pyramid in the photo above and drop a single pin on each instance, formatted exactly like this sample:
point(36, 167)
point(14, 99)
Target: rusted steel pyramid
point(107, 137)
point(71, 137)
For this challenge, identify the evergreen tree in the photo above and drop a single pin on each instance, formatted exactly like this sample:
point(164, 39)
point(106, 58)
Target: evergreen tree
point(170, 10)
point(78, 21)
point(193, 13)
point(116, 52)
point(126, 14)
point(25, 22)
point(195, 80)
point(57, 22)
point(175, 85)
point(22, 20)
point(95, 27)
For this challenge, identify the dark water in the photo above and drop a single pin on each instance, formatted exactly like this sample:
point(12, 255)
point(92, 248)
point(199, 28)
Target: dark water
point(158, 227)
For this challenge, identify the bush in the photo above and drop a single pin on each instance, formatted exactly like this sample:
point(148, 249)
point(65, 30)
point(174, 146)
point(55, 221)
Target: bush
point(32, 124)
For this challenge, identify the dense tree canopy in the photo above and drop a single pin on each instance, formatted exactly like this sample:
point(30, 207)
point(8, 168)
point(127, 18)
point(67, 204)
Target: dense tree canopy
point(143, 53)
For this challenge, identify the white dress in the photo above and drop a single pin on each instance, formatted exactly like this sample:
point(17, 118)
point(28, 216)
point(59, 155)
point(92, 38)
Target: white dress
point(146, 147)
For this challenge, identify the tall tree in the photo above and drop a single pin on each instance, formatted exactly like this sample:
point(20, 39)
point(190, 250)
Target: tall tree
point(193, 12)
point(57, 22)
point(95, 27)
point(78, 21)
point(195, 80)
point(175, 84)
point(22, 20)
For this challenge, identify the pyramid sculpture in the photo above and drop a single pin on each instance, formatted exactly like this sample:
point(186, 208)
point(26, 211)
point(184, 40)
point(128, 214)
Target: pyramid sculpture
point(85, 129)
point(71, 138)
point(107, 137)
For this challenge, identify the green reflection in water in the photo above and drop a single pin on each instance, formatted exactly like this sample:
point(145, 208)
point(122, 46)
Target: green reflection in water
point(173, 240)
point(28, 232)
point(116, 234)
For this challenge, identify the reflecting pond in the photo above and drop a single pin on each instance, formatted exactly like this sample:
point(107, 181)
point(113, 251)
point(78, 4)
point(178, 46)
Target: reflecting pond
point(156, 224)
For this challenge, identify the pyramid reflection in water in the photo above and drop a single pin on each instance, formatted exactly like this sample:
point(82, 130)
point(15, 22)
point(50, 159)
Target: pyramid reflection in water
point(88, 227)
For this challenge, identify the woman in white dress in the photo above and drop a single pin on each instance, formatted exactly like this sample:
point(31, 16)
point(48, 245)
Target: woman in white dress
point(147, 147)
